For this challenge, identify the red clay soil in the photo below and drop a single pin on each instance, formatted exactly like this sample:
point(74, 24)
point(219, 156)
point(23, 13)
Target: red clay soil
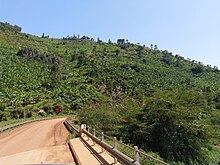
point(38, 142)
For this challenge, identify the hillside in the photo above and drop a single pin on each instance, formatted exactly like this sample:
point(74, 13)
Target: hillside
point(146, 96)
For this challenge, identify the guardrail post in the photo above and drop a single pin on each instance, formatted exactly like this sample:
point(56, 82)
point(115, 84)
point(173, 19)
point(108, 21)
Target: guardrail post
point(102, 139)
point(115, 146)
point(115, 142)
point(136, 155)
point(87, 136)
point(93, 135)
point(83, 126)
point(93, 131)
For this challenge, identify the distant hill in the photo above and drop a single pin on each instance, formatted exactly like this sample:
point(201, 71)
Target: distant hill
point(143, 90)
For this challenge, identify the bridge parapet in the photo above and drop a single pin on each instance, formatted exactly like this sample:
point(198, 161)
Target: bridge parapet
point(113, 146)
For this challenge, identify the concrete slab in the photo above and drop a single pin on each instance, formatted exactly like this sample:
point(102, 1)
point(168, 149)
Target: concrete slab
point(86, 153)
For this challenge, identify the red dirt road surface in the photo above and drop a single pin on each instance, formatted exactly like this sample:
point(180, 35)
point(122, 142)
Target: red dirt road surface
point(36, 143)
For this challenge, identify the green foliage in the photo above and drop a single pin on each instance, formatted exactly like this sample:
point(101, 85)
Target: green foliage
point(178, 126)
point(167, 57)
point(18, 113)
point(173, 132)
point(29, 114)
point(3, 116)
point(197, 69)
point(2, 106)
point(6, 26)
point(100, 117)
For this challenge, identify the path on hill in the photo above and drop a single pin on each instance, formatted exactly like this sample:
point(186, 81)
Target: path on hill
point(43, 141)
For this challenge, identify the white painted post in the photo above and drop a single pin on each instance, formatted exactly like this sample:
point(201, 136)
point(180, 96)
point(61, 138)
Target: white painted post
point(115, 142)
point(88, 136)
point(102, 139)
point(93, 131)
point(88, 129)
point(83, 126)
point(115, 146)
point(93, 135)
point(136, 155)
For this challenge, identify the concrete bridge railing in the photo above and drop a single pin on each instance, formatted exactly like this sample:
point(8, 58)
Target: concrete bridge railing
point(112, 149)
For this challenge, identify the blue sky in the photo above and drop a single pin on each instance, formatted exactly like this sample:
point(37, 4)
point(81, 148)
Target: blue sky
point(190, 28)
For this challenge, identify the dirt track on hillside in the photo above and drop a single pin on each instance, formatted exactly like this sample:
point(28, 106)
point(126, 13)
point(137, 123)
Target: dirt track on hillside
point(38, 142)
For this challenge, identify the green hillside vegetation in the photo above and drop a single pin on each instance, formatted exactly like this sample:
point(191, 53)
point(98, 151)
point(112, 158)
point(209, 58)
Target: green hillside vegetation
point(144, 96)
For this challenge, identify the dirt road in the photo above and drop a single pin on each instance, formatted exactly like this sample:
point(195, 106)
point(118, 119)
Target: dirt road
point(38, 142)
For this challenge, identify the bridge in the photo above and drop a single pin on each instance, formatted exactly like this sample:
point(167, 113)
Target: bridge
point(44, 142)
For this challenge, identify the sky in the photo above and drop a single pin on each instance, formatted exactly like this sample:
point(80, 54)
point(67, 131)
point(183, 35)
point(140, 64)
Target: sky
point(190, 28)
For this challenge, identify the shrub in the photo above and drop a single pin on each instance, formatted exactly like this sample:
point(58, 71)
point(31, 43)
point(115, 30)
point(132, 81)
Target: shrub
point(2, 116)
point(197, 69)
point(18, 113)
point(2, 106)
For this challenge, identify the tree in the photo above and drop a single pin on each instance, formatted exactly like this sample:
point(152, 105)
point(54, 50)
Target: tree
point(73, 57)
point(167, 127)
point(197, 69)
point(98, 40)
point(120, 41)
point(94, 50)
point(167, 59)
point(7, 27)
point(2, 113)
point(55, 70)
point(3, 116)
point(117, 52)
